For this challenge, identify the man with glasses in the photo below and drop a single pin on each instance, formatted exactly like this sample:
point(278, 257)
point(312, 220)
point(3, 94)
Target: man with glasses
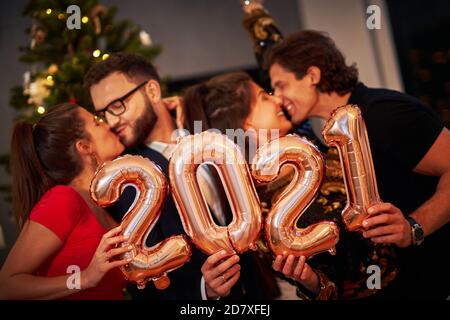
point(126, 93)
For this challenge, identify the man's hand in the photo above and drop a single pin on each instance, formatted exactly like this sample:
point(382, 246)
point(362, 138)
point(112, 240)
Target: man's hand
point(386, 224)
point(221, 272)
point(299, 270)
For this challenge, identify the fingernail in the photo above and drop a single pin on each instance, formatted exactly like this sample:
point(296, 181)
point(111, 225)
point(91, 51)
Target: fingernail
point(371, 210)
point(130, 247)
point(365, 223)
point(364, 235)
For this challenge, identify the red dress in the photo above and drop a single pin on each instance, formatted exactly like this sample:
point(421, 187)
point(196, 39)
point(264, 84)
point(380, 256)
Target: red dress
point(64, 212)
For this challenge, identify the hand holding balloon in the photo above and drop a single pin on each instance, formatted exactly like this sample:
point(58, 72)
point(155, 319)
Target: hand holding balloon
point(146, 263)
point(387, 224)
point(297, 269)
point(346, 131)
point(221, 271)
point(104, 258)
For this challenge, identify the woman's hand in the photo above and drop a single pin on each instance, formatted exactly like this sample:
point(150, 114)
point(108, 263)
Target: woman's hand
point(221, 271)
point(299, 270)
point(175, 103)
point(106, 257)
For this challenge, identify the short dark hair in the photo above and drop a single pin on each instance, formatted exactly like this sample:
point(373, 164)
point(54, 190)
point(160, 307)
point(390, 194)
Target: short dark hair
point(134, 66)
point(307, 48)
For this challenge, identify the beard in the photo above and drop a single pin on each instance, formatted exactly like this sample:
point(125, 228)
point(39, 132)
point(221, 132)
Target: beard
point(143, 125)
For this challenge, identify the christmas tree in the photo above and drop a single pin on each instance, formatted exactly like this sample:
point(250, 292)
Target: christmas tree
point(66, 38)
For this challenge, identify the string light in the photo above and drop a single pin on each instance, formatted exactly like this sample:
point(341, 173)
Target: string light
point(96, 53)
point(85, 19)
point(40, 110)
point(49, 78)
point(48, 11)
point(105, 56)
point(61, 16)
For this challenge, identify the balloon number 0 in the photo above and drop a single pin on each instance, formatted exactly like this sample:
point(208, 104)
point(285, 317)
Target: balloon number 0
point(147, 263)
point(216, 149)
point(282, 234)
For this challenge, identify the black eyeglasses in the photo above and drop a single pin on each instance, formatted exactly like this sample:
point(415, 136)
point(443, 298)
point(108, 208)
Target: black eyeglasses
point(118, 107)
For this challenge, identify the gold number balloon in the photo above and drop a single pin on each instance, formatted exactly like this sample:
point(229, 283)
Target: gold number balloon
point(218, 150)
point(282, 234)
point(148, 263)
point(347, 131)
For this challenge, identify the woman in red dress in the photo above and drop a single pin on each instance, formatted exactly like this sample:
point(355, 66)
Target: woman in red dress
point(68, 246)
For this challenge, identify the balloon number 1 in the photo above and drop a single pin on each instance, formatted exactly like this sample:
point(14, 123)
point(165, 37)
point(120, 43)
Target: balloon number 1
point(347, 131)
point(147, 263)
point(216, 149)
point(283, 237)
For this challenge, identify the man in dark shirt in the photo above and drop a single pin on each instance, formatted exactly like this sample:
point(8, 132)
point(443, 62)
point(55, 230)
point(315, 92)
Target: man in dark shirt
point(410, 149)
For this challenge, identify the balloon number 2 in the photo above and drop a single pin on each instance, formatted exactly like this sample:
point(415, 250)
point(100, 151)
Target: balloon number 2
point(282, 235)
point(148, 263)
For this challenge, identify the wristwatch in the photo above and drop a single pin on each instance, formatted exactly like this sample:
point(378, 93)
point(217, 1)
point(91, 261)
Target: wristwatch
point(416, 231)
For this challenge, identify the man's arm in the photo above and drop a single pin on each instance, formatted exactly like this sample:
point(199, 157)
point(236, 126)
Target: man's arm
point(435, 212)
point(388, 224)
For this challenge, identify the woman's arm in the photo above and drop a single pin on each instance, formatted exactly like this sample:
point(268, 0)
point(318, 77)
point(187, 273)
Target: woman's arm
point(35, 244)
